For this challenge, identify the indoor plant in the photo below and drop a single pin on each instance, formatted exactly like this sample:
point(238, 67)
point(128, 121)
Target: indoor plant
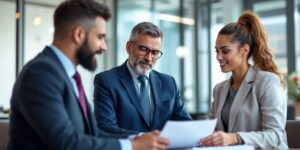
point(293, 86)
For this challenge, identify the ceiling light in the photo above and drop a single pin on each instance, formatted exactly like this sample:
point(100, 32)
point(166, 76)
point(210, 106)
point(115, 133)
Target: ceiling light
point(37, 21)
point(177, 19)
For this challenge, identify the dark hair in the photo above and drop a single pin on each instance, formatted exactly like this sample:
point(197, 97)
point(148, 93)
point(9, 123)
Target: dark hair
point(249, 30)
point(78, 12)
point(145, 28)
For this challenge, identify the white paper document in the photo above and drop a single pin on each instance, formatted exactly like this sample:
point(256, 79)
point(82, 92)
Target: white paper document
point(184, 134)
point(234, 147)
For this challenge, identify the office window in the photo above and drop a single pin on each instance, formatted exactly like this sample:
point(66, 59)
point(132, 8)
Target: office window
point(202, 51)
point(39, 28)
point(189, 92)
point(129, 14)
point(297, 35)
point(7, 51)
point(169, 62)
point(273, 18)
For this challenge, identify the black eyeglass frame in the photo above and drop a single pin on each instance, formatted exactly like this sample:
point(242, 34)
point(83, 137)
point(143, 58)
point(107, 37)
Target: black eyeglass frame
point(144, 51)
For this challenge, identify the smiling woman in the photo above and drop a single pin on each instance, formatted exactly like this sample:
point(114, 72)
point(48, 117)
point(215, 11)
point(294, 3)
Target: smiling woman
point(252, 99)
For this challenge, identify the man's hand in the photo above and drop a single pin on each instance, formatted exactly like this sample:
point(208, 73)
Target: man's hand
point(219, 138)
point(149, 141)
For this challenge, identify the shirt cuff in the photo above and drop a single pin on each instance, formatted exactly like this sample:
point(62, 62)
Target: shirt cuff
point(125, 144)
point(240, 140)
point(131, 137)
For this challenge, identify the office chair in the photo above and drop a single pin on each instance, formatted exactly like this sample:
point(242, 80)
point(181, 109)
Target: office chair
point(293, 133)
point(4, 123)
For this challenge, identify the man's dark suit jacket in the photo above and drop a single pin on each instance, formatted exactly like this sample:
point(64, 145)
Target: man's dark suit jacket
point(46, 113)
point(117, 106)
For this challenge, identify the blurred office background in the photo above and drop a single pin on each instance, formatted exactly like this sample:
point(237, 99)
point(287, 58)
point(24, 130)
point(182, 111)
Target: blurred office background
point(189, 26)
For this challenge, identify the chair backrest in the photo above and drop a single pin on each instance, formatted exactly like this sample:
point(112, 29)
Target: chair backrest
point(4, 123)
point(293, 133)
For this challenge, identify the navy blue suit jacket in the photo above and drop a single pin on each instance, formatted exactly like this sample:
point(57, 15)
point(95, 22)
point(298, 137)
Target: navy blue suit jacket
point(45, 111)
point(118, 109)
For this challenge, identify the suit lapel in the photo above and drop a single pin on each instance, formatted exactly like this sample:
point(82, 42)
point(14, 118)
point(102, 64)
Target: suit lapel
point(48, 51)
point(223, 95)
point(127, 82)
point(241, 96)
point(156, 89)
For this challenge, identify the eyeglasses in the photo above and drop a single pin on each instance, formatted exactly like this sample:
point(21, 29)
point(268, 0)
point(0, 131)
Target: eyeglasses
point(144, 50)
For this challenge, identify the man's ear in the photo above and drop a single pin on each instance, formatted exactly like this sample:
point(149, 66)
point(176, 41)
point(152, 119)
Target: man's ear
point(78, 35)
point(129, 47)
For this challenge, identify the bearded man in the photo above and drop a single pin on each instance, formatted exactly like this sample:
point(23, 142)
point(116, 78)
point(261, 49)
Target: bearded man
point(49, 109)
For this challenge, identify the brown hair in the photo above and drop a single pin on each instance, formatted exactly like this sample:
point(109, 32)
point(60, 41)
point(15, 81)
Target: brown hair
point(82, 12)
point(249, 30)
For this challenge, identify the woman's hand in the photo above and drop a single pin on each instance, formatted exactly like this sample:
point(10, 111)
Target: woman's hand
point(219, 138)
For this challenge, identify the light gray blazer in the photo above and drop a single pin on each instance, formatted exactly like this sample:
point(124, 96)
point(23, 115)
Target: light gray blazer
point(258, 111)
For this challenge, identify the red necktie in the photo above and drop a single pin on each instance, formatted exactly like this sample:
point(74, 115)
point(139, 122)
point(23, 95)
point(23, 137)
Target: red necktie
point(81, 93)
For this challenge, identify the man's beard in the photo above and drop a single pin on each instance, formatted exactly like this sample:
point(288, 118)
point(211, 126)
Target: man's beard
point(85, 56)
point(138, 69)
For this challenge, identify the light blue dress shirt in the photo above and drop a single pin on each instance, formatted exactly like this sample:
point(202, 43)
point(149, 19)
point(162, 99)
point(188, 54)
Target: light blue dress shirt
point(70, 70)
